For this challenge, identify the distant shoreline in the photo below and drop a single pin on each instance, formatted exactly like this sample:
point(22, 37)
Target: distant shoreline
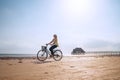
point(78, 56)
point(14, 58)
point(87, 54)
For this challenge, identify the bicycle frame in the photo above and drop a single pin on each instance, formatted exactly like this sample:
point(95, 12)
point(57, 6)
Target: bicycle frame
point(43, 54)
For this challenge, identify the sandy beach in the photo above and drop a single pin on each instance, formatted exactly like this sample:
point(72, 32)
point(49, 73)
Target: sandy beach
point(69, 68)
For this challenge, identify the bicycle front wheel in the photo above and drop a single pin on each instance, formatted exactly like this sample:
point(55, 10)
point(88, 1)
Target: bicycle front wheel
point(42, 55)
point(58, 55)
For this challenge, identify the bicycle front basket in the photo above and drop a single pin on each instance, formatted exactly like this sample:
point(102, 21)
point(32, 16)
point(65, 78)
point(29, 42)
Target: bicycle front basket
point(43, 48)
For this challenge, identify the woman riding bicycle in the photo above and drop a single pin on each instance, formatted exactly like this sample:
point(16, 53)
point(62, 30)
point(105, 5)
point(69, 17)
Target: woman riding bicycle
point(54, 44)
point(43, 53)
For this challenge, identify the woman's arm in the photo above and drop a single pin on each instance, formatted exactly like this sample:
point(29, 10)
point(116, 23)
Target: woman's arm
point(51, 41)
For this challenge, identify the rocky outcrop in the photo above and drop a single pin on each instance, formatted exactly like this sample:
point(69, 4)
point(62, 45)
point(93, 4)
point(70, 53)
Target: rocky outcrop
point(77, 51)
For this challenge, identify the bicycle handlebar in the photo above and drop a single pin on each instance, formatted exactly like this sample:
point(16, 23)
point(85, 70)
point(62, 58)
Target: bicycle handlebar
point(46, 44)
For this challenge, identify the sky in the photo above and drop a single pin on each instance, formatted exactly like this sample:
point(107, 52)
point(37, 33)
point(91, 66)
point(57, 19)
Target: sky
point(26, 25)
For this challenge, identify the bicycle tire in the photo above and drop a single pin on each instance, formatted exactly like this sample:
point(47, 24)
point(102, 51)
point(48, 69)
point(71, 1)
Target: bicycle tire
point(57, 55)
point(42, 55)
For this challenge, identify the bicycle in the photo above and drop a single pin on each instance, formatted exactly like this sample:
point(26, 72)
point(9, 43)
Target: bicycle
point(42, 54)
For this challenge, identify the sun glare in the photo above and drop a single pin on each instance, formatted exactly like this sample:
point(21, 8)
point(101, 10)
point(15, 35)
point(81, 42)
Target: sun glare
point(77, 7)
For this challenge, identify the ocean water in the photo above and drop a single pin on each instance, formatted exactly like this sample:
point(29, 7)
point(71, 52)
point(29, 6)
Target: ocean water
point(106, 53)
point(18, 55)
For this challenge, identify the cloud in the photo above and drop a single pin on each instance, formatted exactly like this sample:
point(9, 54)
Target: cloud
point(17, 47)
point(102, 45)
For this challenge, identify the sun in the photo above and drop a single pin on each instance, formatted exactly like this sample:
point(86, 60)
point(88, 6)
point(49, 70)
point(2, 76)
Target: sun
point(77, 7)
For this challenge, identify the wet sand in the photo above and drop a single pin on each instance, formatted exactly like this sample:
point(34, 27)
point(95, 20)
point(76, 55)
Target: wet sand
point(69, 68)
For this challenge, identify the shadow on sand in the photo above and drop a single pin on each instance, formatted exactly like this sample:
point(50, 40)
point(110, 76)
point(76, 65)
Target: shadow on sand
point(41, 62)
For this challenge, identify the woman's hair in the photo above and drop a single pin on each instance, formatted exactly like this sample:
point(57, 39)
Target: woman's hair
point(55, 35)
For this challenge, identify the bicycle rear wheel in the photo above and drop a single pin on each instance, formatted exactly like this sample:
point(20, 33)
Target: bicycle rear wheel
point(42, 55)
point(57, 55)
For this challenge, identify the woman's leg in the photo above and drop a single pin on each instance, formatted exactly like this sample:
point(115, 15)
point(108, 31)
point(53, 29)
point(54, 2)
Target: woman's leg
point(51, 49)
